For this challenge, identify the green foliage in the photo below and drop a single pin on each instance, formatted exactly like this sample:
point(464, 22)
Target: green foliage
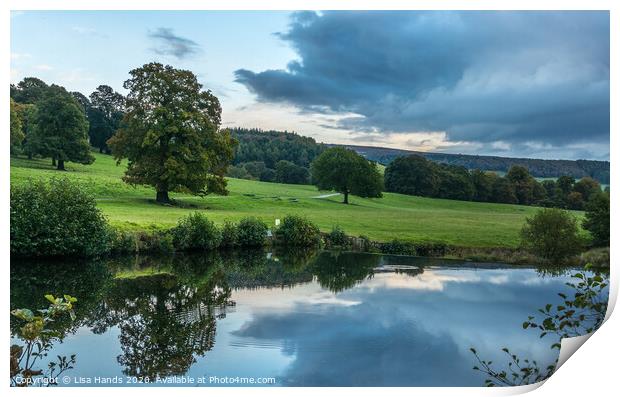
point(397, 247)
point(412, 175)
point(345, 171)
point(30, 90)
point(587, 187)
point(38, 339)
point(539, 168)
point(288, 172)
point(578, 315)
point(56, 218)
point(122, 242)
point(60, 129)
point(271, 146)
point(597, 219)
point(196, 232)
point(460, 223)
point(552, 234)
point(251, 232)
point(503, 192)
point(337, 237)
point(230, 235)
point(298, 231)
point(454, 183)
point(416, 175)
point(159, 241)
point(170, 134)
point(105, 112)
point(16, 128)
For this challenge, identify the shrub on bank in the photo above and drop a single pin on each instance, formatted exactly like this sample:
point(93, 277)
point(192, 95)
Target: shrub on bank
point(229, 235)
point(396, 247)
point(125, 242)
point(251, 232)
point(337, 238)
point(196, 232)
point(122, 242)
point(552, 234)
point(56, 218)
point(298, 231)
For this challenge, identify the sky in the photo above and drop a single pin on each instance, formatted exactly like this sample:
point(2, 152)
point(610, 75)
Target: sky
point(518, 84)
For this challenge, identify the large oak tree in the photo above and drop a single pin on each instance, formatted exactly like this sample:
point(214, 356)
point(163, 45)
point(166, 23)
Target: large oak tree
point(170, 134)
point(346, 172)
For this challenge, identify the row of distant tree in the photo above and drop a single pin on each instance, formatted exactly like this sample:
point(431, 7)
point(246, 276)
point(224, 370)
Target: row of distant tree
point(33, 107)
point(418, 176)
point(540, 168)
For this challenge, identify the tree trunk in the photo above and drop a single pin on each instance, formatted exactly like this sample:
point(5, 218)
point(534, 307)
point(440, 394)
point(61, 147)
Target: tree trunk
point(53, 161)
point(61, 165)
point(101, 149)
point(162, 197)
point(346, 197)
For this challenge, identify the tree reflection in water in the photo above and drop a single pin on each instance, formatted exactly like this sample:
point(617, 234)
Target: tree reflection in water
point(166, 308)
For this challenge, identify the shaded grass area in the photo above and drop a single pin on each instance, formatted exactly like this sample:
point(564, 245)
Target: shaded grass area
point(395, 216)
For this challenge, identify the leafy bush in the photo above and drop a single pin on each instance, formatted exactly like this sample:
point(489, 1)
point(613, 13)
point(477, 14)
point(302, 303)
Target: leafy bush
point(56, 218)
point(337, 237)
point(298, 231)
point(122, 242)
point(251, 232)
point(196, 232)
point(597, 219)
point(157, 241)
point(229, 235)
point(396, 247)
point(552, 234)
point(366, 244)
point(431, 249)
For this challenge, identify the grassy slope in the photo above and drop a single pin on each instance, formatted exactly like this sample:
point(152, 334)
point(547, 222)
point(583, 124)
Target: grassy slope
point(393, 216)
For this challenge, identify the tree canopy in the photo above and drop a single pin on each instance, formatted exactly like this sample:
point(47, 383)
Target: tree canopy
point(105, 113)
point(60, 129)
point(346, 172)
point(597, 218)
point(170, 133)
point(16, 128)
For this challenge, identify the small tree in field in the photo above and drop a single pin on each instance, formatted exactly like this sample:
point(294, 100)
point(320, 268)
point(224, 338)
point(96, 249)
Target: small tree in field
point(346, 172)
point(170, 134)
point(60, 129)
point(552, 234)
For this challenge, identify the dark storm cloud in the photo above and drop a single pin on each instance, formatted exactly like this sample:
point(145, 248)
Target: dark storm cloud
point(479, 76)
point(170, 44)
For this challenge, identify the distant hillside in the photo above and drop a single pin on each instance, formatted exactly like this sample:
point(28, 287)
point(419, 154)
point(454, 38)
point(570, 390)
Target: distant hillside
point(272, 146)
point(598, 170)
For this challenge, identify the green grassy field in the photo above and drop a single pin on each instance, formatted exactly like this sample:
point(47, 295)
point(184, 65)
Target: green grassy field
point(393, 216)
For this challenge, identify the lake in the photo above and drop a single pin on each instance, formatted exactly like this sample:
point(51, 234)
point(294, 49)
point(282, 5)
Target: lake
point(287, 319)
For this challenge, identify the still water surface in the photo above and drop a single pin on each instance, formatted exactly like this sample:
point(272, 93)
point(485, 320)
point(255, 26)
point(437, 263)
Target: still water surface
point(303, 319)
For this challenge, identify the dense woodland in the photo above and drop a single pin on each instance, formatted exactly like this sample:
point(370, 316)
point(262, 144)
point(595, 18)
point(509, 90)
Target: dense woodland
point(273, 156)
point(539, 168)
